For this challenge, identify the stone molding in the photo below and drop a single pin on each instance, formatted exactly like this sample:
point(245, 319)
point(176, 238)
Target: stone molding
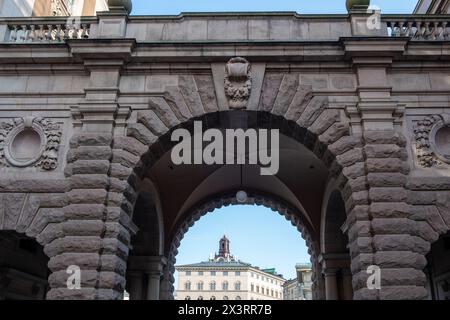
point(49, 132)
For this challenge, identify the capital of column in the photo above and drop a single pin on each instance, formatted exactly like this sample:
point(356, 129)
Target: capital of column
point(151, 265)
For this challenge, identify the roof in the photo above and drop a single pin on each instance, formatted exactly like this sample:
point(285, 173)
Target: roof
point(225, 264)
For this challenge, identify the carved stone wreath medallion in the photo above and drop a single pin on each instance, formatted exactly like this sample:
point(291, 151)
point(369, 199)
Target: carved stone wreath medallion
point(432, 135)
point(30, 141)
point(238, 83)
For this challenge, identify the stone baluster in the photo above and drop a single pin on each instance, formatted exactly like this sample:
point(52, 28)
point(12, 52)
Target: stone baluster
point(41, 33)
point(23, 34)
point(13, 35)
point(32, 34)
point(49, 35)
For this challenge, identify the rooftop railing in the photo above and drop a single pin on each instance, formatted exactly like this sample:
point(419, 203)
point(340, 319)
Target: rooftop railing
point(192, 27)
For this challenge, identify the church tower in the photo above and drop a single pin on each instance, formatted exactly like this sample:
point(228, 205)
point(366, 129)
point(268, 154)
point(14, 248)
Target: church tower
point(224, 247)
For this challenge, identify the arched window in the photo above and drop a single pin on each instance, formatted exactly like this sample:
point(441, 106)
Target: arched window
point(225, 286)
point(187, 298)
point(237, 286)
point(200, 286)
point(212, 286)
point(225, 298)
point(187, 286)
point(200, 298)
point(238, 298)
point(213, 298)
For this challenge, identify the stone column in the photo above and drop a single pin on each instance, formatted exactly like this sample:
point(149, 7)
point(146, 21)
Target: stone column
point(347, 286)
point(380, 230)
point(152, 267)
point(97, 228)
point(136, 285)
point(331, 287)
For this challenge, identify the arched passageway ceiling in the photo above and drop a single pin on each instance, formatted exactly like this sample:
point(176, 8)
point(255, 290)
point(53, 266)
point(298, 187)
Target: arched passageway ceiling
point(300, 182)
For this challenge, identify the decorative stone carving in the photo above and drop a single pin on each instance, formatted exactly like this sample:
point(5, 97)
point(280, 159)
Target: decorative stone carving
point(238, 83)
point(432, 136)
point(29, 141)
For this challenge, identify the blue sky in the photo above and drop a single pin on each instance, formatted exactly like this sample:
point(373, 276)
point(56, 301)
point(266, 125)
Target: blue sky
point(258, 236)
point(149, 7)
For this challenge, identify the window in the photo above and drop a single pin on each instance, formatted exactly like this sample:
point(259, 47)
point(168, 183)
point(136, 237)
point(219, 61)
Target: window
point(187, 298)
point(200, 286)
point(200, 273)
point(271, 293)
point(212, 286)
point(225, 273)
point(200, 298)
point(237, 286)
point(213, 298)
point(238, 298)
point(252, 288)
point(225, 286)
point(238, 273)
point(188, 273)
point(213, 273)
point(257, 289)
point(225, 298)
point(187, 286)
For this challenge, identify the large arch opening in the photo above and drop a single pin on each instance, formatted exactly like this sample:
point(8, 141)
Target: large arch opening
point(244, 252)
point(185, 192)
point(438, 269)
point(23, 268)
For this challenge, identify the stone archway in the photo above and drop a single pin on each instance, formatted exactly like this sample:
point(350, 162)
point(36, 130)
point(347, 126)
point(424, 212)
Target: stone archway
point(254, 198)
point(361, 163)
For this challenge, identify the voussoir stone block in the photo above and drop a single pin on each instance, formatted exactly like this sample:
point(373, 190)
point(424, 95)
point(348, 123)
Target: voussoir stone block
point(350, 157)
point(131, 145)
point(345, 144)
point(125, 158)
point(354, 171)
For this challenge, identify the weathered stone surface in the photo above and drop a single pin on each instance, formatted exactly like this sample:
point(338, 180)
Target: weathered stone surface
point(387, 165)
point(285, 94)
point(312, 111)
point(89, 153)
point(33, 185)
point(384, 151)
point(355, 171)
point(400, 259)
point(84, 211)
point(422, 197)
point(120, 171)
point(345, 144)
point(403, 293)
point(334, 133)
point(91, 139)
point(89, 181)
point(141, 133)
point(164, 111)
point(75, 244)
point(90, 167)
point(397, 194)
point(393, 226)
point(350, 157)
point(207, 92)
point(83, 227)
point(401, 242)
point(125, 158)
point(382, 179)
point(86, 261)
point(384, 137)
point(324, 121)
point(176, 102)
point(152, 122)
point(390, 210)
point(188, 89)
point(131, 145)
point(298, 104)
point(66, 294)
point(270, 89)
point(432, 215)
point(51, 232)
point(87, 196)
